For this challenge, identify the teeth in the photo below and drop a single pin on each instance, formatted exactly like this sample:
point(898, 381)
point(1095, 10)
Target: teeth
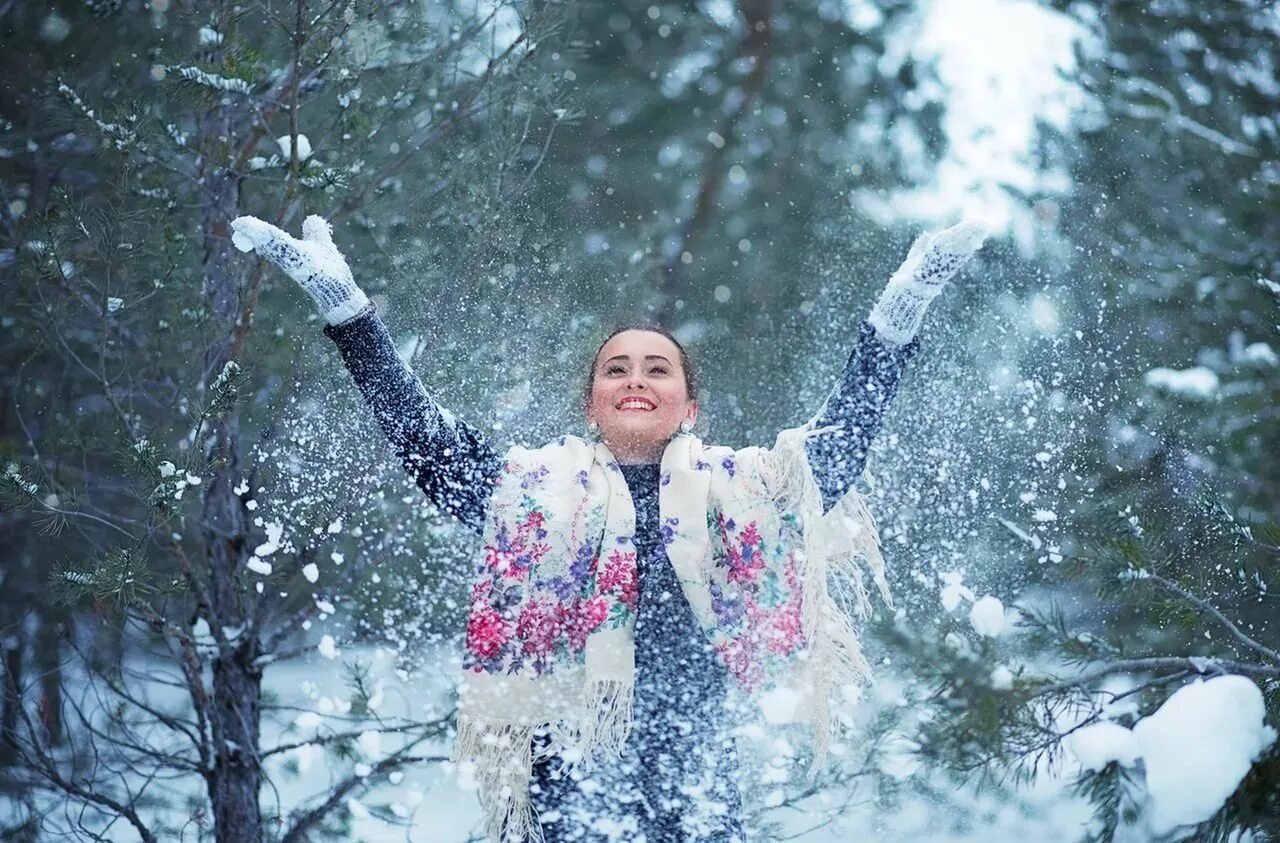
point(640, 405)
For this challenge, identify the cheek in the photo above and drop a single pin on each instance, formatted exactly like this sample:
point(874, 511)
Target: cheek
point(599, 400)
point(673, 398)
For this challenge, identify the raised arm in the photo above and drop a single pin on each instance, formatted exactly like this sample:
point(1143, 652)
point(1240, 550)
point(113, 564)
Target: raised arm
point(449, 460)
point(853, 413)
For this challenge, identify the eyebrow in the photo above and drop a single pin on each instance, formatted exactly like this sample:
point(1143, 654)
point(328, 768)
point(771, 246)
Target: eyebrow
point(646, 357)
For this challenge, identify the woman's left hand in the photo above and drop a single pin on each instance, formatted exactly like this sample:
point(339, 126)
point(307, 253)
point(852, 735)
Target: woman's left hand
point(931, 262)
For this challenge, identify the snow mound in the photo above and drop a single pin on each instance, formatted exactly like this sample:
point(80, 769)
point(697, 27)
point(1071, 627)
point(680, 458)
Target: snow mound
point(1196, 748)
point(285, 142)
point(1098, 745)
point(1217, 722)
point(1198, 382)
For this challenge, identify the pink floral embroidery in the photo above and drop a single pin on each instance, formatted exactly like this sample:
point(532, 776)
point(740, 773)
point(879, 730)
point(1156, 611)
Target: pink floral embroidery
point(620, 574)
point(513, 558)
point(487, 631)
point(744, 556)
point(539, 627)
point(740, 657)
point(581, 617)
point(786, 632)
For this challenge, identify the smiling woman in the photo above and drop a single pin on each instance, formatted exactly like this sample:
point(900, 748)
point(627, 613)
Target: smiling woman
point(641, 389)
point(625, 584)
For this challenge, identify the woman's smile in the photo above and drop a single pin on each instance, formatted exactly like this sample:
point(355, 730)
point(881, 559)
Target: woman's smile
point(637, 403)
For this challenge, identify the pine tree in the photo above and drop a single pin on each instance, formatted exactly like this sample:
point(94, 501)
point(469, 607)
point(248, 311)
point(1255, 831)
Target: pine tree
point(151, 437)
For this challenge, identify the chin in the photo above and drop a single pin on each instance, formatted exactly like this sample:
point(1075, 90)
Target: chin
point(639, 434)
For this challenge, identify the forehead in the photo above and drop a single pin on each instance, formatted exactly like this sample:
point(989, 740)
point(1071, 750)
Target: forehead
point(639, 344)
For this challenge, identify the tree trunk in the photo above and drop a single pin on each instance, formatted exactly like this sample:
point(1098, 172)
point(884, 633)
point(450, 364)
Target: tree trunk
point(237, 778)
point(49, 665)
point(13, 646)
point(235, 705)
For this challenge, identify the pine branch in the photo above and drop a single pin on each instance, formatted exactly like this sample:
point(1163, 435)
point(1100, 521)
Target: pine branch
point(1192, 664)
point(305, 823)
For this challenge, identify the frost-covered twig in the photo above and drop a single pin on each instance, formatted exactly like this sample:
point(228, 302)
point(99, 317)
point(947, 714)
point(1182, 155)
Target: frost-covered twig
point(122, 136)
point(1175, 116)
point(336, 737)
point(47, 767)
point(1205, 606)
point(213, 80)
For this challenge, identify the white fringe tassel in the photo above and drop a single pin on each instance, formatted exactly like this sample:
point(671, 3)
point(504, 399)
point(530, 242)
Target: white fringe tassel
point(503, 754)
point(835, 590)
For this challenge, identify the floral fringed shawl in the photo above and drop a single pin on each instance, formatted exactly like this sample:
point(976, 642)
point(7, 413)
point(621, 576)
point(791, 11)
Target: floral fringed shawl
point(772, 581)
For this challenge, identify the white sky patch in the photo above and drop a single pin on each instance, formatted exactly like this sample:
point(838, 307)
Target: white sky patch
point(503, 29)
point(998, 67)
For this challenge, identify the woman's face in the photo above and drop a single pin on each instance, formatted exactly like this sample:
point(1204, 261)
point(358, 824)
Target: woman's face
point(638, 395)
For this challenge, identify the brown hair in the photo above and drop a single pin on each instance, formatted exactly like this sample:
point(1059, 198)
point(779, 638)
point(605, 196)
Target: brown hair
point(690, 377)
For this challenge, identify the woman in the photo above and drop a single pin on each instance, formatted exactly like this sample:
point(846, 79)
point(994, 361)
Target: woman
point(627, 582)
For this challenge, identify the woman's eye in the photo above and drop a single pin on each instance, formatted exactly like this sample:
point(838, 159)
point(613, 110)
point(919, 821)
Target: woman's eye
point(614, 370)
point(658, 370)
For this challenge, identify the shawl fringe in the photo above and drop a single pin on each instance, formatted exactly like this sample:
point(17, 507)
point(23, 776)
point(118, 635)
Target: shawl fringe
point(837, 545)
point(504, 754)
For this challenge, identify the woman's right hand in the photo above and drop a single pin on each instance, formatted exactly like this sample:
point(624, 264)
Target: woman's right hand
point(314, 262)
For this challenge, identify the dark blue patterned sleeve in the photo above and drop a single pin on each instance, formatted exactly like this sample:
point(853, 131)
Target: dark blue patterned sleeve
point(854, 411)
point(450, 460)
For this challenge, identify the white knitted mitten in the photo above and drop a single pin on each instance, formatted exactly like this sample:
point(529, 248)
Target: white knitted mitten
point(930, 263)
point(314, 262)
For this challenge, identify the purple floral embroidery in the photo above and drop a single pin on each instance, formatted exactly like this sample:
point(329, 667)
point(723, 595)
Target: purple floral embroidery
point(666, 479)
point(580, 569)
point(582, 478)
point(669, 530)
point(512, 556)
point(728, 465)
point(532, 478)
point(701, 465)
point(744, 553)
point(728, 608)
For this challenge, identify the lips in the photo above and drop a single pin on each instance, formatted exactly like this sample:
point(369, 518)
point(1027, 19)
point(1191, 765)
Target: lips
point(635, 402)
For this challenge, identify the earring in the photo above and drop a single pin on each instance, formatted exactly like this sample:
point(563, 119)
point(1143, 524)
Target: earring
point(686, 426)
point(593, 427)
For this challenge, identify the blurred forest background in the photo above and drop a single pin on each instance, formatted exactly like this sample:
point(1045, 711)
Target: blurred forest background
point(227, 614)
